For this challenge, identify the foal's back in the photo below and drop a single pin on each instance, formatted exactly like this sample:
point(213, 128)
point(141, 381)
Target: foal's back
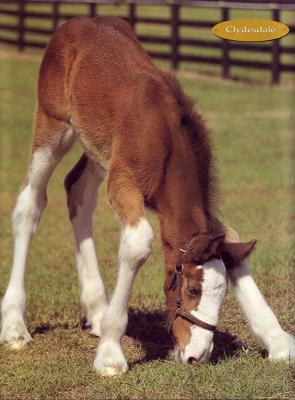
point(96, 76)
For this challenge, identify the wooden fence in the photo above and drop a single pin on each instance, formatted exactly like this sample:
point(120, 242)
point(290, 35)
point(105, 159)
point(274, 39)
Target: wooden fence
point(21, 10)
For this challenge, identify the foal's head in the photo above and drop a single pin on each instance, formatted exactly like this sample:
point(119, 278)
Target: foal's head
point(195, 288)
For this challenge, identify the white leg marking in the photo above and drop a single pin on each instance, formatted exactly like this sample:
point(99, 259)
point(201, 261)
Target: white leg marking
point(134, 250)
point(93, 292)
point(213, 291)
point(82, 199)
point(263, 323)
point(29, 206)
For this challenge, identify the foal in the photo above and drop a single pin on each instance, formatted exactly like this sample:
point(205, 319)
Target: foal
point(97, 85)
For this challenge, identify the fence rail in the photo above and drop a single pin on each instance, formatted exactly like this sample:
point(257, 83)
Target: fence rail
point(20, 12)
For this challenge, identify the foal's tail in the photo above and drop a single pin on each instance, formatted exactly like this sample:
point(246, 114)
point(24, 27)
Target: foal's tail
point(81, 185)
point(75, 174)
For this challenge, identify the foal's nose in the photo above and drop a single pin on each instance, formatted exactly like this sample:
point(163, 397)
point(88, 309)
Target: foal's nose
point(200, 359)
point(192, 361)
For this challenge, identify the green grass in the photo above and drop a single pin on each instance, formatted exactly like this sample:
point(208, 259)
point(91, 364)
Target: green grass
point(253, 129)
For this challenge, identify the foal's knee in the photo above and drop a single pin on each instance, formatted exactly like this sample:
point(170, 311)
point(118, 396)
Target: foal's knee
point(136, 243)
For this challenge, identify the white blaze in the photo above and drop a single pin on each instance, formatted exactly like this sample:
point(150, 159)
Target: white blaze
point(213, 290)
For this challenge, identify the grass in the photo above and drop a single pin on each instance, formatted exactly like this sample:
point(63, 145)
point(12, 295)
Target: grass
point(253, 129)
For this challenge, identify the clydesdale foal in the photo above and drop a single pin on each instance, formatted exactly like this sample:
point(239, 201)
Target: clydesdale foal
point(136, 126)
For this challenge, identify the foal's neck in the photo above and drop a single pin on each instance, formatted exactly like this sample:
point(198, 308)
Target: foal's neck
point(182, 207)
point(184, 200)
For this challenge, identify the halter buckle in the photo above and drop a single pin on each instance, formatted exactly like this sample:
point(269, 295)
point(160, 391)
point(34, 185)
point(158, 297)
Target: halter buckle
point(179, 269)
point(179, 303)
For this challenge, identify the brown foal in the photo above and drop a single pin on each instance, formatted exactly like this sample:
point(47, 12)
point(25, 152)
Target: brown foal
point(137, 127)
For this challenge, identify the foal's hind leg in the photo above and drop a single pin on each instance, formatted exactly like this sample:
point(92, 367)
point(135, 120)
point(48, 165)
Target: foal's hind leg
point(263, 323)
point(52, 140)
point(81, 185)
point(135, 246)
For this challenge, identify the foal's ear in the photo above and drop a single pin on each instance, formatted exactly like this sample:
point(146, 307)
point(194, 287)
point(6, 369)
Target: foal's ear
point(213, 243)
point(234, 253)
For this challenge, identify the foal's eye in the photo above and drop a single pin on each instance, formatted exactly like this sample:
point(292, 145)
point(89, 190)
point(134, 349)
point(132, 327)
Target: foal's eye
point(193, 291)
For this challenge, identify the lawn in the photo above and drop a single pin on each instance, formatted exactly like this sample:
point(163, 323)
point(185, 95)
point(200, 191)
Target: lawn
point(253, 131)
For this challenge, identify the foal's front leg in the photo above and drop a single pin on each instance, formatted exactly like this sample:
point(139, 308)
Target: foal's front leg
point(263, 323)
point(135, 246)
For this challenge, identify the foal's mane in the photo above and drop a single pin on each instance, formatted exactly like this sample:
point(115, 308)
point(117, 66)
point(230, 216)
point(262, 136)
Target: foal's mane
point(192, 125)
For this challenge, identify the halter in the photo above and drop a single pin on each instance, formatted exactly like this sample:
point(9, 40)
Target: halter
point(176, 284)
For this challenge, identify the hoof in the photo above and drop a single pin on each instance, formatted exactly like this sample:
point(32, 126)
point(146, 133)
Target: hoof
point(282, 348)
point(110, 371)
point(17, 344)
point(95, 331)
point(110, 360)
point(94, 321)
point(14, 334)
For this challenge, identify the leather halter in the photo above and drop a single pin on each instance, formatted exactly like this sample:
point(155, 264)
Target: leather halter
point(176, 284)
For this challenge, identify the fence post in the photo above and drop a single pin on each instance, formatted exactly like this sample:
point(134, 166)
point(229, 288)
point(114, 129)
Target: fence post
point(174, 35)
point(276, 52)
point(225, 47)
point(132, 15)
point(21, 25)
point(92, 10)
point(55, 14)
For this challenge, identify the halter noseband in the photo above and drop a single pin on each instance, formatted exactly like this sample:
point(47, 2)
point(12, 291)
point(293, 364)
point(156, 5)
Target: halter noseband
point(176, 284)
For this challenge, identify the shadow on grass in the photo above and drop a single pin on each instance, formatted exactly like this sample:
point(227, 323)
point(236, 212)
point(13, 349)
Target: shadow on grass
point(225, 345)
point(49, 327)
point(149, 329)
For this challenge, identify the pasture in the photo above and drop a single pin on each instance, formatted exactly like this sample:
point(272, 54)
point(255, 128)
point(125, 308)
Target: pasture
point(252, 130)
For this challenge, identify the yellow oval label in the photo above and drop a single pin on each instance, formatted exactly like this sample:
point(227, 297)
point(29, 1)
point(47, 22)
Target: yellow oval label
point(250, 30)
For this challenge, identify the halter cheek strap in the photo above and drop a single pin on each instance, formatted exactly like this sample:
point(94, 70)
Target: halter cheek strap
point(176, 284)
